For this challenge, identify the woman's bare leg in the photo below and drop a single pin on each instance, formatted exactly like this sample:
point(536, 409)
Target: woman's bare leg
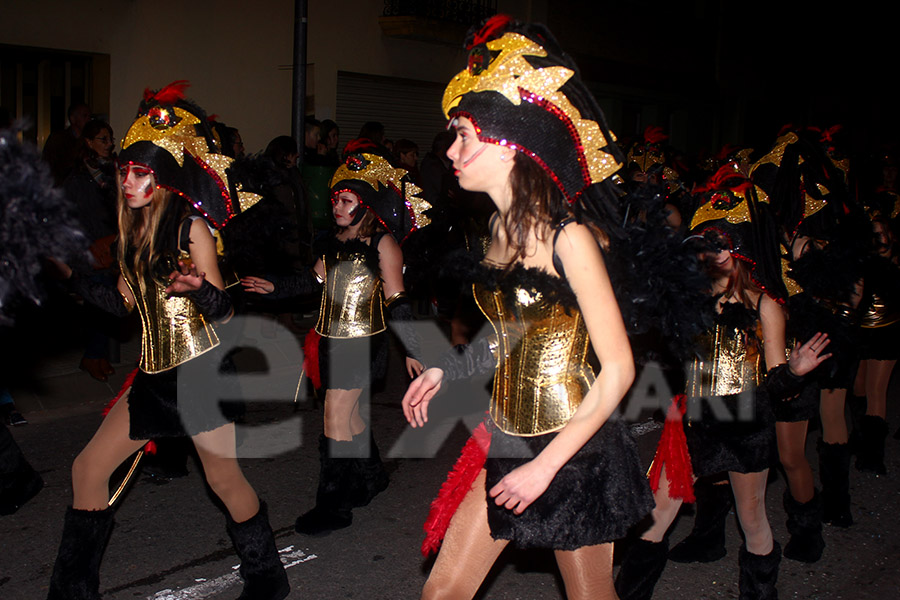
point(859, 383)
point(664, 511)
point(468, 551)
point(878, 376)
point(792, 453)
point(750, 504)
point(587, 572)
point(94, 465)
point(342, 418)
point(834, 423)
point(218, 454)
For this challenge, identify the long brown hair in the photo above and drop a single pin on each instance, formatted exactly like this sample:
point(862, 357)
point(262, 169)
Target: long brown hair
point(741, 284)
point(537, 204)
point(139, 230)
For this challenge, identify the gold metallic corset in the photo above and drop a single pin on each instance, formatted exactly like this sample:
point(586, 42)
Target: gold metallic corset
point(173, 330)
point(352, 300)
point(542, 372)
point(731, 364)
point(878, 314)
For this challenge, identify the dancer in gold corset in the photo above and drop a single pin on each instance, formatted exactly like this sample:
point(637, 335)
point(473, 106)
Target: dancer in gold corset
point(733, 388)
point(560, 473)
point(170, 206)
point(359, 273)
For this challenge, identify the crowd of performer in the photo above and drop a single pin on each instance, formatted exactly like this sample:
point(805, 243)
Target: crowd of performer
point(764, 281)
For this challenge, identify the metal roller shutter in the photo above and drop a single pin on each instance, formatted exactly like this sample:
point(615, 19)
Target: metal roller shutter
point(408, 108)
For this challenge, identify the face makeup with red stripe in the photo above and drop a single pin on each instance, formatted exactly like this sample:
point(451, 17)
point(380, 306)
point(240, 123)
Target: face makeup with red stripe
point(480, 166)
point(345, 208)
point(138, 184)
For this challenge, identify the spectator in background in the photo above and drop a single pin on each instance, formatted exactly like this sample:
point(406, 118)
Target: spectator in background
point(373, 130)
point(61, 147)
point(91, 186)
point(407, 153)
point(329, 137)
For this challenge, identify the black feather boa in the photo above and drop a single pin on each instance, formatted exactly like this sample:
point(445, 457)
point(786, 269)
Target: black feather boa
point(36, 221)
point(658, 278)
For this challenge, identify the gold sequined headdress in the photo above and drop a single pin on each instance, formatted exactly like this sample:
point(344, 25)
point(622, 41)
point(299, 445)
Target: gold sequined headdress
point(733, 214)
point(384, 190)
point(173, 138)
point(521, 91)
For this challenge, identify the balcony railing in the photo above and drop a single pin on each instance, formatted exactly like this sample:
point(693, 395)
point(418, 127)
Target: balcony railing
point(463, 12)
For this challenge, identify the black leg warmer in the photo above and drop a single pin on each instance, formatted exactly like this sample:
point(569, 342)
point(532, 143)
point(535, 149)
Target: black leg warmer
point(373, 479)
point(804, 523)
point(870, 451)
point(834, 472)
point(76, 573)
point(759, 574)
point(641, 568)
point(334, 496)
point(261, 569)
point(706, 542)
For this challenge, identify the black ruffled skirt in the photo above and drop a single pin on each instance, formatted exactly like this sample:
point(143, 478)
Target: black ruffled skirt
point(880, 343)
point(199, 395)
point(802, 408)
point(343, 362)
point(595, 498)
point(725, 435)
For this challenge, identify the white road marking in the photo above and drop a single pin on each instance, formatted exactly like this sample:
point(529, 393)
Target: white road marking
point(207, 588)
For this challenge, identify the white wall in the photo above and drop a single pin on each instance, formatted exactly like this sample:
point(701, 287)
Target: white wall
point(236, 53)
point(230, 50)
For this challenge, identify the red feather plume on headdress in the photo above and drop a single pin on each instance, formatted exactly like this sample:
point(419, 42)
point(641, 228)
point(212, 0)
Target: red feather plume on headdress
point(725, 151)
point(492, 25)
point(359, 145)
point(726, 178)
point(654, 134)
point(170, 94)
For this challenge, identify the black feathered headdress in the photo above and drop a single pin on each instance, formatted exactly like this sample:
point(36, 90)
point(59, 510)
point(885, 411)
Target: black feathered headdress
point(172, 137)
point(383, 189)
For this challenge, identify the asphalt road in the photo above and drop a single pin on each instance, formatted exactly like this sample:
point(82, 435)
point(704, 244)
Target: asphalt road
point(170, 541)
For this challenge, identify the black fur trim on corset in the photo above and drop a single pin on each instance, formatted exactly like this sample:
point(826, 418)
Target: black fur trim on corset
point(735, 314)
point(466, 268)
point(331, 246)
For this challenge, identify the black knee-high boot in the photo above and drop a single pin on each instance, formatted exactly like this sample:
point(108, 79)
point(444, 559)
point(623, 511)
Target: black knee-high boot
point(641, 568)
point(334, 495)
point(373, 478)
point(76, 573)
point(759, 573)
point(706, 542)
point(870, 451)
point(834, 472)
point(261, 568)
point(804, 523)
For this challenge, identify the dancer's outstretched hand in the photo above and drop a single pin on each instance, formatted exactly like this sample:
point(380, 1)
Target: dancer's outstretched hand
point(420, 392)
point(810, 355)
point(184, 279)
point(257, 285)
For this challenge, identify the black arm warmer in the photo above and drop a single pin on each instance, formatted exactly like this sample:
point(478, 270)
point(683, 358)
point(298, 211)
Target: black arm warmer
point(782, 384)
point(296, 284)
point(215, 304)
point(466, 360)
point(102, 295)
point(402, 324)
